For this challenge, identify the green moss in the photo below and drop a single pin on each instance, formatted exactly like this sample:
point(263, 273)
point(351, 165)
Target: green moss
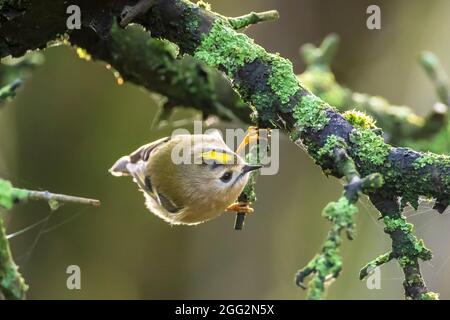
point(328, 264)
point(324, 265)
point(263, 101)
point(405, 261)
point(429, 296)
point(331, 143)
point(431, 159)
point(412, 198)
point(223, 48)
point(12, 285)
point(397, 223)
point(311, 113)
point(315, 289)
point(377, 262)
point(359, 119)
point(282, 79)
point(410, 247)
point(371, 148)
point(341, 213)
point(193, 21)
point(9, 195)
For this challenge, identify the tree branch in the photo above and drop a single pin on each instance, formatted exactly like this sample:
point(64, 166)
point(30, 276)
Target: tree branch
point(437, 75)
point(265, 81)
point(327, 265)
point(406, 248)
point(12, 284)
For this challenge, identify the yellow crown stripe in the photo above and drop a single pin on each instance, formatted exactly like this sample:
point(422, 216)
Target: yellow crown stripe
point(218, 156)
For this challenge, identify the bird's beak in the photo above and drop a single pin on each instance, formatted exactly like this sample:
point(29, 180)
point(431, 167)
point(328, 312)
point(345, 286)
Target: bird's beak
point(250, 167)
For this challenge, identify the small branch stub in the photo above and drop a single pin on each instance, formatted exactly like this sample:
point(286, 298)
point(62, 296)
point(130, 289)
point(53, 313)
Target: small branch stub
point(253, 18)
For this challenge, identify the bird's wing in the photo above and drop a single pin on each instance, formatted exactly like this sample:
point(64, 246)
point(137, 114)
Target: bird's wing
point(146, 186)
point(124, 164)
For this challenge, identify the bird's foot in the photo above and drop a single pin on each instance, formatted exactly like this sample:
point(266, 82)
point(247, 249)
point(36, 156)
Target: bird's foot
point(240, 207)
point(252, 136)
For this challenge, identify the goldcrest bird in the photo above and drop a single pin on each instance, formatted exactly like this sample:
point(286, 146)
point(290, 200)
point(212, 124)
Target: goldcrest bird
point(193, 192)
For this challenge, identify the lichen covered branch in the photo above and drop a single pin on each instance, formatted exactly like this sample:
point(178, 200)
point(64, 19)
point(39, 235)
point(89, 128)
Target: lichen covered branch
point(327, 265)
point(268, 84)
point(406, 248)
point(12, 284)
point(437, 75)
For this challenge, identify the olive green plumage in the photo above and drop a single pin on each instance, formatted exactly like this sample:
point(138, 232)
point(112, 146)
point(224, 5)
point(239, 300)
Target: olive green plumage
point(186, 179)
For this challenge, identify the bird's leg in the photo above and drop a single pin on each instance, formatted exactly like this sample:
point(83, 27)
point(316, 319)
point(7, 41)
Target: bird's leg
point(240, 207)
point(251, 136)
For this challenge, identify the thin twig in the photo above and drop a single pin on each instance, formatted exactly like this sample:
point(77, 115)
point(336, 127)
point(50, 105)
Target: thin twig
point(48, 196)
point(433, 68)
point(253, 18)
point(9, 90)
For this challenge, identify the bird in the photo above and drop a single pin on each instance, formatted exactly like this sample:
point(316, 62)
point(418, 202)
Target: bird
point(201, 184)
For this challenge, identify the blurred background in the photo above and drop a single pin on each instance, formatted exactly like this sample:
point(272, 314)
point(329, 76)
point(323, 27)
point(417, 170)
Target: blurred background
point(72, 121)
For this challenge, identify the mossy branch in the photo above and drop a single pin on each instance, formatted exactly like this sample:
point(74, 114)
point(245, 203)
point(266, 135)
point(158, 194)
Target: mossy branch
point(327, 265)
point(268, 83)
point(265, 81)
point(406, 248)
point(437, 75)
point(377, 262)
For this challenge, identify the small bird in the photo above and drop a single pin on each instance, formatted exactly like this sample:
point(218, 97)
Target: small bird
point(193, 192)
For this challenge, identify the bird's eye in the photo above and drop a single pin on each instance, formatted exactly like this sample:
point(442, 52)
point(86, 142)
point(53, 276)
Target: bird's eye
point(226, 177)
